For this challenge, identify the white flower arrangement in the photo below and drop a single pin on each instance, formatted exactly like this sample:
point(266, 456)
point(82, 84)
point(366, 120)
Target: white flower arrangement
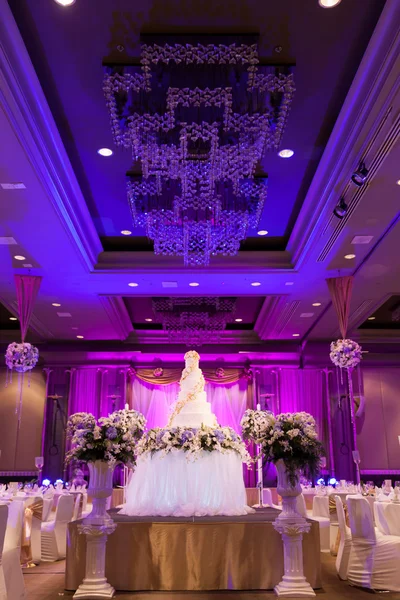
point(21, 357)
point(193, 441)
point(288, 436)
point(345, 354)
point(111, 439)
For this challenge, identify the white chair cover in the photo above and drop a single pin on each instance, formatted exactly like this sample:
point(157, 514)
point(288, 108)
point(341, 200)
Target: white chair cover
point(343, 555)
point(374, 558)
point(12, 551)
point(301, 506)
point(47, 506)
point(54, 533)
point(320, 513)
point(320, 506)
point(36, 535)
point(3, 526)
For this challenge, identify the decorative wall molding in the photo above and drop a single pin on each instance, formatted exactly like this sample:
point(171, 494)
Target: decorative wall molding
point(26, 107)
point(118, 315)
point(343, 150)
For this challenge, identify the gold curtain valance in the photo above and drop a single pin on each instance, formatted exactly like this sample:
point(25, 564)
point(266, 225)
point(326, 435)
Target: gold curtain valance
point(173, 376)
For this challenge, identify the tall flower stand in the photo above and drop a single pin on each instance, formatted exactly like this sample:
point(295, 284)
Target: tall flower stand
point(97, 526)
point(291, 525)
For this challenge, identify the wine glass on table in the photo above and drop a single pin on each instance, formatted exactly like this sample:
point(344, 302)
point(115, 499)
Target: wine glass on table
point(39, 462)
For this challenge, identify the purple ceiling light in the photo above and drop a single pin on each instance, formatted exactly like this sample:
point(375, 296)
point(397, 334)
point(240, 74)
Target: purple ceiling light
point(196, 320)
point(198, 119)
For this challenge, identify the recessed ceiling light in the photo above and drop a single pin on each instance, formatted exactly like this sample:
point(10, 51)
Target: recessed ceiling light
point(295, 334)
point(13, 319)
point(133, 284)
point(19, 257)
point(80, 337)
point(286, 153)
point(65, 2)
point(255, 283)
point(55, 304)
point(262, 232)
point(238, 320)
point(149, 320)
point(316, 303)
point(289, 283)
point(349, 256)
point(194, 284)
point(398, 182)
point(126, 232)
point(371, 318)
point(362, 239)
point(329, 3)
point(104, 152)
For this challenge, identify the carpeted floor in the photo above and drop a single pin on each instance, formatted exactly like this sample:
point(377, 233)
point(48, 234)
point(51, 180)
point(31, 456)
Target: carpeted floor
point(46, 583)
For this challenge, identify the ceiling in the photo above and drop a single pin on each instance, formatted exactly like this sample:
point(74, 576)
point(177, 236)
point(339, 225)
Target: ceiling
point(67, 219)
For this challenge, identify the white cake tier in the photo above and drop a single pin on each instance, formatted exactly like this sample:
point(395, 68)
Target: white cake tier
point(195, 414)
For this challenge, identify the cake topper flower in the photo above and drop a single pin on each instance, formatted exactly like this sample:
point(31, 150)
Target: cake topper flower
point(193, 355)
point(158, 372)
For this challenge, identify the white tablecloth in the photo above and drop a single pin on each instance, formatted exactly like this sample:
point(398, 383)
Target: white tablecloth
point(173, 485)
point(387, 517)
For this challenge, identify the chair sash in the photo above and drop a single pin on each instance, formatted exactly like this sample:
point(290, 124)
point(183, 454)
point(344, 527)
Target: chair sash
point(334, 519)
point(34, 511)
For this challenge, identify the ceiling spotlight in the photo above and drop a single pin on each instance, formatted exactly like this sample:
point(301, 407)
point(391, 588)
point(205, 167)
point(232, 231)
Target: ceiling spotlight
point(65, 2)
point(80, 337)
point(262, 232)
point(286, 153)
point(295, 335)
point(398, 182)
point(56, 304)
point(289, 283)
point(359, 177)
point(371, 318)
point(104, 152)
point(133, 284)
point(126, 232)
point(340, 209)
point(329, 3)
point(349, 256)
point(13, 319)
point(194, 284)
point(149, 320)
point(238, 320)
point(316, 303)
point(256, 283)
point(19, 257)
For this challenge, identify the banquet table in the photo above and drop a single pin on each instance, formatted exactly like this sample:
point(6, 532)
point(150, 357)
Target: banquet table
point(387, 517)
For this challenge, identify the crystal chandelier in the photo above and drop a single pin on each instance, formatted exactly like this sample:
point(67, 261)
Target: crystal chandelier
point(194, 321)
point(199, 118)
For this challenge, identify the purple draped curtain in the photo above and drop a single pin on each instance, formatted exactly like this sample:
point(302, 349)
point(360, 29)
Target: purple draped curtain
point(84, 395)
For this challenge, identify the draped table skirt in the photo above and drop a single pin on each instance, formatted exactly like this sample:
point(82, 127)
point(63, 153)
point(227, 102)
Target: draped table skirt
point(204, 553)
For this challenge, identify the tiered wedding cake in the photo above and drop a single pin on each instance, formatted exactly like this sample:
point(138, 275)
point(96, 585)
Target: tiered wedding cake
point(193, 467)
point(192, 408)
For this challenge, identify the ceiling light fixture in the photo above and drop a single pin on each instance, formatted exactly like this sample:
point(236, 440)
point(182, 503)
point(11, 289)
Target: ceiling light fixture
point(126, 232)
point(262, 232)
point(133, 284)
point(349, 256)
point(359, 176)
point(55, 304)
point(65, 2)
point(340, 209)
point(80, 337)
point(238, 320)
point(256, 283)
point(371, 318)
point(398, 182)
point(289, 283)
point(13, 319)
point(104, 152)
point(295, 335)
point(194, 284)
point(316, 303)
point(286, 153)
point(19, 257)
point(329, 3)
point(149, 320)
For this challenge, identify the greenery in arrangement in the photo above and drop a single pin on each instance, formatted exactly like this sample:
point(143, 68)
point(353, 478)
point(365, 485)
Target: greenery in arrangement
point(291, 437)
point(112, 439)
point(193, 441)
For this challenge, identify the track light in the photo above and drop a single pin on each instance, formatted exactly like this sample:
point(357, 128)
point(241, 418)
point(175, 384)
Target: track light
point(340, 209)
point(359, 177)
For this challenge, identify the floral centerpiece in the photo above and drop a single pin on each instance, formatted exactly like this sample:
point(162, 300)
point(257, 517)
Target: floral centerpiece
point(193, 441)
point(291, 437)
point(21, 357)
point(345, 354)
point(111, 439)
